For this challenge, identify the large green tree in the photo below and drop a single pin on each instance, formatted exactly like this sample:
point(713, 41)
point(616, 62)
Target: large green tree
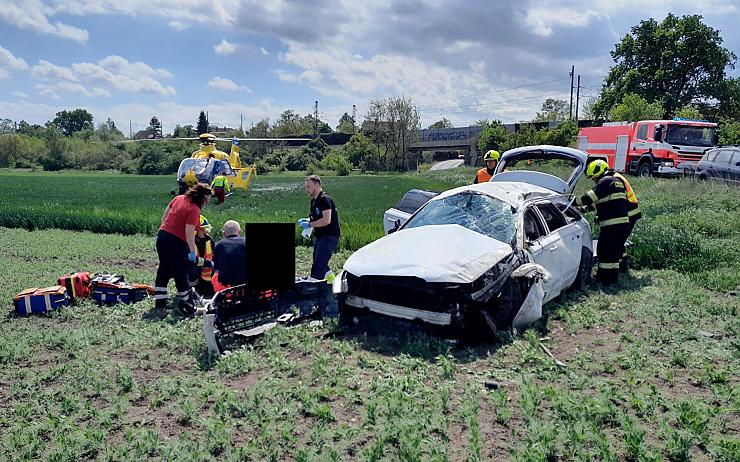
point(202, 126)
point(633, 107)
point(346, 124)
point(70, 122)
point(444, 122)
point(676, 62)
point(552, 110)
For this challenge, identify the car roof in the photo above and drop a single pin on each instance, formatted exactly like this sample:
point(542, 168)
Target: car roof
point(513, 193)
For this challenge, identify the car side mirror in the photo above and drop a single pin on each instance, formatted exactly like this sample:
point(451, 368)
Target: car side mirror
point(658, 136)
point(715, 138)
point(396, 225)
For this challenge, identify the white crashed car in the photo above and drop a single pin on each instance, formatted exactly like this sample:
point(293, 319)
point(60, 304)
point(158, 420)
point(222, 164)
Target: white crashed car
point(488, 254)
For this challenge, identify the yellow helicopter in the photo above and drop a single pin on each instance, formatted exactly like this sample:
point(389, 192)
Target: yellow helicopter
point(207, 162)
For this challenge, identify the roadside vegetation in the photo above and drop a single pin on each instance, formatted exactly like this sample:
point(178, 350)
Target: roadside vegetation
point(652, 366)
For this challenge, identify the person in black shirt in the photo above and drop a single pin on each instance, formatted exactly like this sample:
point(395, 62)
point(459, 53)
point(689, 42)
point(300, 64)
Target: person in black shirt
point(324, 220)
point(229, 256)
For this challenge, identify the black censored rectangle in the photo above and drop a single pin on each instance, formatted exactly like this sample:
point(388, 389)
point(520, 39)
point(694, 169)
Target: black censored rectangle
point(270, 256)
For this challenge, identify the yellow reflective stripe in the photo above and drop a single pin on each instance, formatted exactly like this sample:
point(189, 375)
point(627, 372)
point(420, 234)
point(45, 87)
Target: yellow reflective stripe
point(631, 196)
point(609, 265)
point(632, 213)
point(612, 197)
point(592, 195)
point(614, 221)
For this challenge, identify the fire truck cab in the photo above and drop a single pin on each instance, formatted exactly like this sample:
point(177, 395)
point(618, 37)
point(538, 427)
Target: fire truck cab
point(650, 147)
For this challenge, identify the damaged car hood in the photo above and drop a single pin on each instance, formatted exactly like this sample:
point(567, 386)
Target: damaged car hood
point(435, 253)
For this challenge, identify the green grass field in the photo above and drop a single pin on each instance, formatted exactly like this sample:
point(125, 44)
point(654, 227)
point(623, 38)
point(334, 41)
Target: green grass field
point(653, 366)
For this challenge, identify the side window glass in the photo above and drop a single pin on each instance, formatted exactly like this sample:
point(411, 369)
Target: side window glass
point(711, 155)
point(532, 226)
point(723, 158)
point(553, 217)
point(642, 131)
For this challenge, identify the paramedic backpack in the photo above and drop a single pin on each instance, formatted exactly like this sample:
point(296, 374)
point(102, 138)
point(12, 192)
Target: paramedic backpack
point(110, 293)
point(35, 300)
point(78, 285)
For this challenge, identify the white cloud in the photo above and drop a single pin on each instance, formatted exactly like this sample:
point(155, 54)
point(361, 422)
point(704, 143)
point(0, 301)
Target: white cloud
point(286, 76)
point(32, 15)
point(19, 94)
point(224, 48)
point(46, 70)
point(227, 85)
point(177, 25)
point(49, 93)
point(9, 62)
point(264, 52)
point(113, 71)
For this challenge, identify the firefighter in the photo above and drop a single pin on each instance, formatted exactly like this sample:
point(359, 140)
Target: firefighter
point(633, 211)
point(609, 199)
point(201, 272)
point(220, 186)
point(491, 159)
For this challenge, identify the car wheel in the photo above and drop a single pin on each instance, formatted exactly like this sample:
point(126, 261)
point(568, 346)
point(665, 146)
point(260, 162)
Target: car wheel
point(512, 296)
point(645, 170)
point(347, 315)
point(584, 269)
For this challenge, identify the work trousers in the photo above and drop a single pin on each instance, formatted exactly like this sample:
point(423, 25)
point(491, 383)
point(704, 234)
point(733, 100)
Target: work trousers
point(173, 264)
point(220, 193)
point(322, 250)
point(624, 264)
point(609, 251)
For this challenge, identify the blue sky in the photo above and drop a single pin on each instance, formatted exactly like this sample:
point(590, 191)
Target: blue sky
point(464, 60)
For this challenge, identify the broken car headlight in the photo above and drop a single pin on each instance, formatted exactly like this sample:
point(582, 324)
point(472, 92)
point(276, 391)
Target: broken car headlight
point(339, 286)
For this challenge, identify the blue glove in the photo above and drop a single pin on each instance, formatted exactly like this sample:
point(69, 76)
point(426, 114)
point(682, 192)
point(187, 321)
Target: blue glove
point(192, 257)
point(304, 223)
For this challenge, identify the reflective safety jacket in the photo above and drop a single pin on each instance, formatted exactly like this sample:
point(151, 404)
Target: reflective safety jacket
point(482, 176)
point(206, 273)
point(633, 208)
point(609, 199)
point(220, 182)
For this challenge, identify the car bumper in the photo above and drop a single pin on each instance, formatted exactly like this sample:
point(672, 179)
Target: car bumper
point(397, 311)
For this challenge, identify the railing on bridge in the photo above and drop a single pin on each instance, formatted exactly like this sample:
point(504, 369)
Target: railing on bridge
point(449, 134)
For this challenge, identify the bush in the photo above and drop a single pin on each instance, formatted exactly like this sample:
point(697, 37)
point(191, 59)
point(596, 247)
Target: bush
point(297, 161)
point(57, 155)
point(659, 246)
point(20, 151)
point(338, 162)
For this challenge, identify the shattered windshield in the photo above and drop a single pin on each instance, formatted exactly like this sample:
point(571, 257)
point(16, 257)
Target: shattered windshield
point(690, 136)
point(475, 211)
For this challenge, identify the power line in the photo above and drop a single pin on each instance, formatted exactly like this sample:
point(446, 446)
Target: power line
point(495, 91)
point(478, 107)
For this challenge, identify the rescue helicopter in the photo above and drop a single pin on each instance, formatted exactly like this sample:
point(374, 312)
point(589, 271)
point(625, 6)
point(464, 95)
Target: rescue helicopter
point(208, 162)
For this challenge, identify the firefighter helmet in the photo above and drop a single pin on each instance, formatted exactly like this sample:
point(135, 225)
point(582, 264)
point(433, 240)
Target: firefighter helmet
point(491, 155)
point(205, 225)
point(596, 168)
point(207, 138)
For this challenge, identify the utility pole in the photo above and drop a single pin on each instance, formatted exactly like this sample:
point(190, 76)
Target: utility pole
point(354, 113)
point(241, 123)
point(130, 130)
point(570, 111)
point(316, 119)
point(578, 97)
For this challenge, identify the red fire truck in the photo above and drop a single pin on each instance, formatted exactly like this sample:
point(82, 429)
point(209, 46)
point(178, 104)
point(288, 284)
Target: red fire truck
point(650, 147)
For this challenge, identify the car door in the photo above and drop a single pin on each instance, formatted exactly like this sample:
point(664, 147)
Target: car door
point(721, 165)
point(568, 251)
point(734, 169)
point(543, 248)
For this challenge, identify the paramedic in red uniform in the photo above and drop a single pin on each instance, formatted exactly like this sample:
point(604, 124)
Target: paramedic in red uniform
point(176, 245)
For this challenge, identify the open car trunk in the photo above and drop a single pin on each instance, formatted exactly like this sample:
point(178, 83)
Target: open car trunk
point(552, 167)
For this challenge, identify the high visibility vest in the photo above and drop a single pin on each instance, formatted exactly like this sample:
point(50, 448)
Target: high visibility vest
point(219, 182)
point(627, 188)
point(482, 176)
point(206, 273)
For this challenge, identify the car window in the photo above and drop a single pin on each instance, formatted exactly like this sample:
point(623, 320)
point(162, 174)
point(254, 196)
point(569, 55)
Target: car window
point(533, 228)
point(478, 212)
point(414, 199)
point(709, 156)
point(642, 131)
point(723, 157)
point(552, 216)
